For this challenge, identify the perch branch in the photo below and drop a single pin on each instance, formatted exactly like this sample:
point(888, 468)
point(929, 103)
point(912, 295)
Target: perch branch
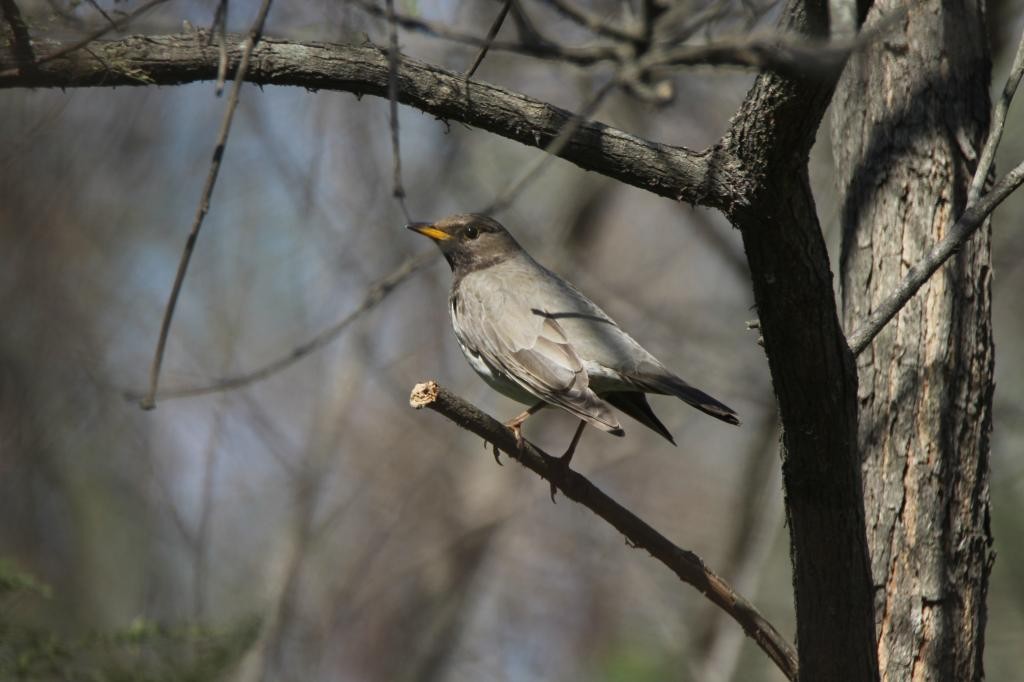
point(685, 564)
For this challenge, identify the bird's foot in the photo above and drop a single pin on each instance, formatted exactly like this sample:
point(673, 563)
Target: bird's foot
point(517, 430)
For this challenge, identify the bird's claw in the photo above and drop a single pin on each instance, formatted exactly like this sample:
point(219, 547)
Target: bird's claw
point(561, 465)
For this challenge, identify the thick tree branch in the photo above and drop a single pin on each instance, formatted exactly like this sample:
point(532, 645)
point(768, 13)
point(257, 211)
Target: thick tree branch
point(812, 369)
point(685, 564)
point(674, 172)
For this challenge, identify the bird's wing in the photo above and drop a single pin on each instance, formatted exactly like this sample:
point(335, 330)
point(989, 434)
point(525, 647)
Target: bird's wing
point(532, 351)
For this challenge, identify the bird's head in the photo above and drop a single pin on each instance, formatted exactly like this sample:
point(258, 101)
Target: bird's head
point(469, 241)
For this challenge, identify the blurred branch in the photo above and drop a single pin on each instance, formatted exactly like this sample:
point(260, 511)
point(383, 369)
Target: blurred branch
point(552, 150)
point(685, 564)
point(118, 24)
point(711, 178)
point(972, 218)
point(394, 59)
point(593, 22)
point(491, 33)
point(149, 401)
point(220, 28)
point(538, 46)
point(374, 295)
point(21, 39)
point(96, 6)
point(842, 18)
point(760, 518)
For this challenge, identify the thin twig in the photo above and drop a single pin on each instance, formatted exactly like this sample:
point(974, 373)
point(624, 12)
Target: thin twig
point(106, 16)
point(149, 402)
point(220, 27)
point(542, 49)
point(685, 564)
point(551, 151)
point(594, 22)
point(374, 295)
point(491, 33)
point(118, 24)
point(398, 190)
point(973, 218)
point(988, 154)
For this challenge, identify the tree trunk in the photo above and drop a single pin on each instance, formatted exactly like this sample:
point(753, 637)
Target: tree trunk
point(911, 114)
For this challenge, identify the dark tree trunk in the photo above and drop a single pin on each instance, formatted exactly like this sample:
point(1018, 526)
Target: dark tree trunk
point(911, 114)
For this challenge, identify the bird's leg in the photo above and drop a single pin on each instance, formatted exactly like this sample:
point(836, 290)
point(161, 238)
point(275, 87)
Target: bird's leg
point(516, 423)
point(563, 461)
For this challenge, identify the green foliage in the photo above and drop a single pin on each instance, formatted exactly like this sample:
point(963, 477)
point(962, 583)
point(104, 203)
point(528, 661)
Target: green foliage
point(144, 651)
point(632, 662)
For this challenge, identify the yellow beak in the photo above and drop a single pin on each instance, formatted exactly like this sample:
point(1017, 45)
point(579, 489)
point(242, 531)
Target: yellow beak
point(428, 230)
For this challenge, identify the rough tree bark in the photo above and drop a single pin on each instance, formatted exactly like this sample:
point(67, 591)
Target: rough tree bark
point(910, 118)
point(812, 368)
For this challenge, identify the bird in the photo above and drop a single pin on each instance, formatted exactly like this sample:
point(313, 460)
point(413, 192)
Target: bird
point(535, 338)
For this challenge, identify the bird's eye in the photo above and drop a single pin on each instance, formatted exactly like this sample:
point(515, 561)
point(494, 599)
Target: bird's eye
point(472, 232)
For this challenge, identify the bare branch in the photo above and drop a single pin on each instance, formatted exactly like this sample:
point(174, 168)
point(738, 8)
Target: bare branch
point(978, 209)
point(685, 564)
point(119, 24)
point(973, 218)
point(534, 168)
point(595, 23)
point(220, 28)
point(374, 295)
point(394, 59)
point(21, 39)
point(491, 33)
point(96, 6)
point(149, 402)
point(541, 48)
point(704, 178)
point(988, 154)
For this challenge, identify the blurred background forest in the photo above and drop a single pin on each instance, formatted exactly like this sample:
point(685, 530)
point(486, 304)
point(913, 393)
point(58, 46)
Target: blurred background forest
point(310, 525)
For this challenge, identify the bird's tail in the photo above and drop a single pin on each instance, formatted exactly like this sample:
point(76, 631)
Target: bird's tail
point(634, 403)
point(670, 384)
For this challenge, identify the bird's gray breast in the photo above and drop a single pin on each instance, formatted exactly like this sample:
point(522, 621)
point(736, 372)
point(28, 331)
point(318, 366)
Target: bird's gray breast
point(461, 316)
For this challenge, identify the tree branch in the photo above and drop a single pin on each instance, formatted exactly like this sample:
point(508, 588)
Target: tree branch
point(812, 369)
point(251, 40)
point(377, 292)
point(674, 172)
point(685, 564)
point(978, 209)
point(120, 23)
point(973, 218)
